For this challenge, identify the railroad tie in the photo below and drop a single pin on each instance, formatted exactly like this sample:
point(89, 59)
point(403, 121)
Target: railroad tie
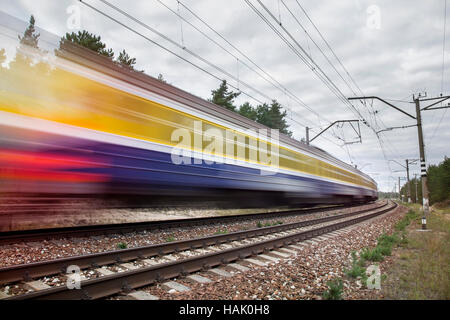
point(238, 267)
point(172, 286)
point(197, 278)
point(142, 295)
point(220, 272)
point(37, 285)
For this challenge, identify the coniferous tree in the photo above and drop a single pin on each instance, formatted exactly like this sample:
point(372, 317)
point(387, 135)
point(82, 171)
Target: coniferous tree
point(248, 111)
point(125, 60)
point(161, 78)
point(224, 97)
point(88, 40)
point(273, 116)
point(438, 183)
point(30, 37)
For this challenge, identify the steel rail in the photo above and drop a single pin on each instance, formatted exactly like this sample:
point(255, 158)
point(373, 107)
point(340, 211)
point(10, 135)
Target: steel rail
point(29, 271)
point(126, 281)
point(9, 237)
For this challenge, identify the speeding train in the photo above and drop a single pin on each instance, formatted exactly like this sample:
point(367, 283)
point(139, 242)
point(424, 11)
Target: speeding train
point(85, 125)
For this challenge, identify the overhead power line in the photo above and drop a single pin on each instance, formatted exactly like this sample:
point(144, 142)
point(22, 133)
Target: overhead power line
point(179, 56)
point(335, 56)
point(271, 80)
point(443, 69)
point(304, 56)
point(163, 47)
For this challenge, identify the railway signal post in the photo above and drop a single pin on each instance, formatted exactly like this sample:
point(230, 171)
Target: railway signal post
point(423, 168)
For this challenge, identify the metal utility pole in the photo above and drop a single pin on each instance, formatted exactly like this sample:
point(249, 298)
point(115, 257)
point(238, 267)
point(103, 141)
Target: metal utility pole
point(408, 162)
point(423, 166)
point(400, 188)
point(418, 118)
point(307, 135)
point(358, 132)
point(415, 182)
point(407, 181)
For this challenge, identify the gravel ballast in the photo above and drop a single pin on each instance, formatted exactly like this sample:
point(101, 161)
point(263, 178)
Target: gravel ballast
point(21, 253)
point(301, 276)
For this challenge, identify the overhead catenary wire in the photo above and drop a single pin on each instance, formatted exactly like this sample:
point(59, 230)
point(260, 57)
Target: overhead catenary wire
point(177, 55)
point(163, 47)
point(198, 57)
point(371, 111)
point(310, 63)
point(270, 79)
point(442, 70)
point(303, 55)
point(371, 114)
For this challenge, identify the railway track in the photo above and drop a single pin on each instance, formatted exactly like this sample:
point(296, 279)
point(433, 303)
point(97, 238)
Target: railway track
point(9, 237)
point(154, 263)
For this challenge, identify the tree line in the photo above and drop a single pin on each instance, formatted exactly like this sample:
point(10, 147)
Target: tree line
point(269, 114)
point(438, 183)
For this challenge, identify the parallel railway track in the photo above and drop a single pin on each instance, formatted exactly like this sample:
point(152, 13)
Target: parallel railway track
point(104, 286)
point(105, 229)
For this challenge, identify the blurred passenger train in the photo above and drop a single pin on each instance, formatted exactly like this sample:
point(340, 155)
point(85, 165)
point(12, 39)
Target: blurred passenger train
point(85, 125)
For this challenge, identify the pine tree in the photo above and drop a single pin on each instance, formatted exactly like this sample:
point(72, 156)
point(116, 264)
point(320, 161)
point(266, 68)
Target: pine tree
point(88, 40)
point(30, 37)
point(223, 97)
point(273, 117)
point(248, 111)
point(125, 60)
point(161, 78)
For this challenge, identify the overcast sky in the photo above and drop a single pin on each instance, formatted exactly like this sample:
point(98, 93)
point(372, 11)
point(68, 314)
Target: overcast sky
point(391, 49)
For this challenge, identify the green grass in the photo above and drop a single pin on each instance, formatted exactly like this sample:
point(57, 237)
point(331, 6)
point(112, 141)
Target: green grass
point(423, 266)
point(385, 243)
point(372, 254)
point(268, 224)
point(122, 245)
point(224, 231)
point(170, 239)
point(335, 289)
point(406, 220)
point(358, 268)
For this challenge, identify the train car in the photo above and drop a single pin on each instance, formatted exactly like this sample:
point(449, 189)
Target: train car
point(85, 125)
